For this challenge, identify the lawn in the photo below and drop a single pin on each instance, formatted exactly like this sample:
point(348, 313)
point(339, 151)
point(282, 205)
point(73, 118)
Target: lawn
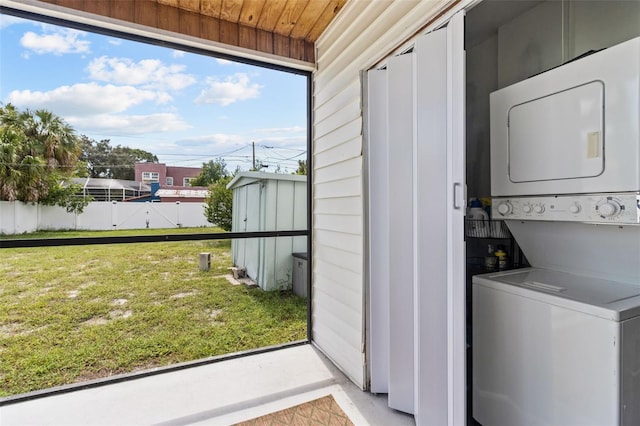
point(75, 313)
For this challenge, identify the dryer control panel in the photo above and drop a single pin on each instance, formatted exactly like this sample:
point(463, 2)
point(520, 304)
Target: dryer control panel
point(619, 208)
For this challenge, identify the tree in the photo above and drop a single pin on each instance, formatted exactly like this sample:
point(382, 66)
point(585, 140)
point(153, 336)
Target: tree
point(38, 152)
point(211, 172)
point(105, 161)
point(219, 204)
point(302, 167)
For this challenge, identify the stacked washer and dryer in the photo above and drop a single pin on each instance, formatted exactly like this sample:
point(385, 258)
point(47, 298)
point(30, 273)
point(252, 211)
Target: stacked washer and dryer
point(559, 343)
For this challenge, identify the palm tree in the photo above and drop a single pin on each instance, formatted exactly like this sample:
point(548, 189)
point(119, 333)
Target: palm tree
point(37, 149)
point(9, 172)
point(53, 138)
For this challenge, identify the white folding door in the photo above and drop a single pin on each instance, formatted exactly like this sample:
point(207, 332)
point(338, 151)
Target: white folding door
point(417, 324)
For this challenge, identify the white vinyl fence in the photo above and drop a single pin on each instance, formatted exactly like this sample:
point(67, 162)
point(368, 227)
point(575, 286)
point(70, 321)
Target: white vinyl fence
point(18, 218)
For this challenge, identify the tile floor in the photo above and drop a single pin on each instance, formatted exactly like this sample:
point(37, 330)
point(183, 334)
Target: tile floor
point(222, 393)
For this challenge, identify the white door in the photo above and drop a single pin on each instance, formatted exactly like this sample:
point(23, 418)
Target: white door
point(378, 231)
point(425, 331)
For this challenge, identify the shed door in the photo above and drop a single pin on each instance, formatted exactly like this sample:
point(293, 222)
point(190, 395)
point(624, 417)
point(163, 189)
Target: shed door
point(424, 325)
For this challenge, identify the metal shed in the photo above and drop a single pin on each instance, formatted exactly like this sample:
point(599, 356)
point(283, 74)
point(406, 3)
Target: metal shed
point(268, 202)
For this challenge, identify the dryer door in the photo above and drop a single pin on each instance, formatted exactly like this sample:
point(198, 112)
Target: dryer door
point(559, 136)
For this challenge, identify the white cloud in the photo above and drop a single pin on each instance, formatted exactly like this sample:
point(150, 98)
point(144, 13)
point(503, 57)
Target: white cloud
point(7, 20)
point(86, 99)
point(148, 73)
point(58, 42)
point(128, 124)
point(284, 141)
point(281, 137)
point(177, 53)
point(115, 41)
point(225, 92)
point(278, 130)
point(219, 141)
point(221, 61)
point(99, 108)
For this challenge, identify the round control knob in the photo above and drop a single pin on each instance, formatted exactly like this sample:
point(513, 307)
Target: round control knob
point(575, 208)
point(505, 208)
point(538, 209)
point(526, 208)
point(608, 209)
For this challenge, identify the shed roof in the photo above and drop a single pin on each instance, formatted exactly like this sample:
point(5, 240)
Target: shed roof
point(247, 178)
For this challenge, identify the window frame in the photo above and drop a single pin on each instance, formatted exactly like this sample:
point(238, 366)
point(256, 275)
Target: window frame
point(150, 177)
point(71, 19)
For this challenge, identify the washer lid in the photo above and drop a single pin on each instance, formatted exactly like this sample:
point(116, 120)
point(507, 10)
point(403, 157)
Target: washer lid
point(607, 299)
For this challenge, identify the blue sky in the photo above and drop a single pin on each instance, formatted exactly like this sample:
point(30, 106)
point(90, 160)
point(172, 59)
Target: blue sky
point(185, 108)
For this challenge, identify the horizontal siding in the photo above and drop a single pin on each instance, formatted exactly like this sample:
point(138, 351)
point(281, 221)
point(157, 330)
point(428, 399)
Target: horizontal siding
point(338, 240)
point(352, 92)
point(386, 32)
point(332, 321)
point(338, 206)
point(338, 136)
point(342, 170)
point(349, 113)
point(362, 35)
point(371, 40)
point(347, 224)
point(339, 188)
point(334, 87)
point(342, 270)
point(347, 150)
point(332, 343)
point(359, 20)
point(339, 265)
point(328, 295)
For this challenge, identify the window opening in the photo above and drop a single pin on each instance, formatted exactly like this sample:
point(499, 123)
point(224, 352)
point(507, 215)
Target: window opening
point(138, 220)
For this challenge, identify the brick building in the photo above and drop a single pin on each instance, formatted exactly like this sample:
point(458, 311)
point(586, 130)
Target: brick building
point(165, 175)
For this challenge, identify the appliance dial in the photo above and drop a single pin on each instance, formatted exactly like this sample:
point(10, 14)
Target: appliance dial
point(539, 208)
point(505, 208)
point(526, 208)
point(575, 208)
point(609, 208)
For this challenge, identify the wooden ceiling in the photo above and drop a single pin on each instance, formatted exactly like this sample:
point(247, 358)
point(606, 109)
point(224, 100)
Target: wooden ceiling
point(287, 28)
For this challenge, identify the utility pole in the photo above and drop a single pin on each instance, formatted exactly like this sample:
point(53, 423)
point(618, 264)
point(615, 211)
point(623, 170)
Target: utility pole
point(253, 146)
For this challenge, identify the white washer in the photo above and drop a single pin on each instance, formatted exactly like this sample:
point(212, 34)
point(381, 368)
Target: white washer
point(555, 348)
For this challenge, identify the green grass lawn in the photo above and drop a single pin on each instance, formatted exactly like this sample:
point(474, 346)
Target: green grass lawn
point(75, 313)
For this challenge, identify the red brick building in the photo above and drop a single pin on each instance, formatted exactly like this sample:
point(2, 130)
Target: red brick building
point(165, 175)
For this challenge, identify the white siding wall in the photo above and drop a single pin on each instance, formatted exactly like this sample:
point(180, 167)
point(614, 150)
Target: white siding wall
point(363, 34)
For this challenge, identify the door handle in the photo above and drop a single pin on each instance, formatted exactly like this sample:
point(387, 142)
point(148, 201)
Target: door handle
point(458, 196)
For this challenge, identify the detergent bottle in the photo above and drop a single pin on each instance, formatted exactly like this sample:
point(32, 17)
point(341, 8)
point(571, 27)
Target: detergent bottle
point(477, 219)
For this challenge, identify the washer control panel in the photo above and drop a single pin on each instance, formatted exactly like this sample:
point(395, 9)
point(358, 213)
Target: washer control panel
point(622, 208)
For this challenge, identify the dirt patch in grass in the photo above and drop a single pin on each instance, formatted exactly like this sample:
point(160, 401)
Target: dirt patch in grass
point(96, 321)
point(120, 314)
point(182, 295)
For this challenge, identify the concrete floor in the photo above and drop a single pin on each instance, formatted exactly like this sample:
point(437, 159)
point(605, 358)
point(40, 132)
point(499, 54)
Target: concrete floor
point(216, 394)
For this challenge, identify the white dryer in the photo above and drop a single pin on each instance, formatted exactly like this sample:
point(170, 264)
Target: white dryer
point(554, 348)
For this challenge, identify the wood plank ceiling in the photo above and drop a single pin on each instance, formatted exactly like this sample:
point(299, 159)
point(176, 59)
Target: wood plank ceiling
point(286, 28)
